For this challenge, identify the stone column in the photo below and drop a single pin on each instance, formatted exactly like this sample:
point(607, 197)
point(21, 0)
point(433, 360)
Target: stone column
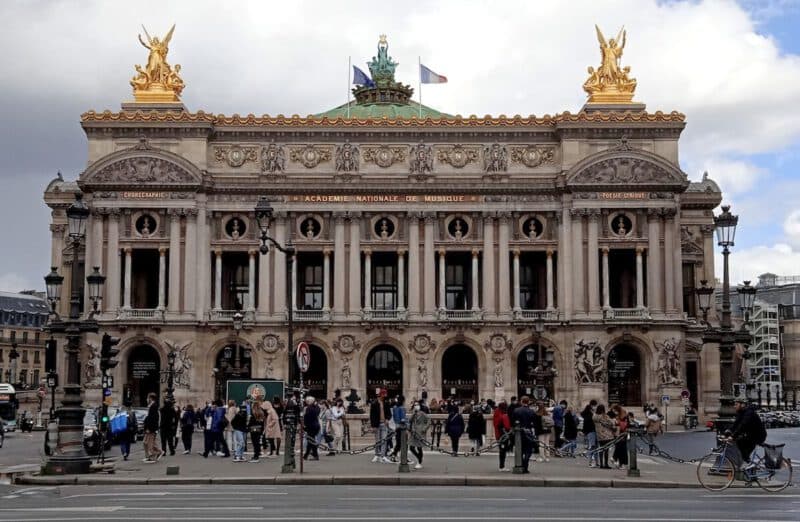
point(504, 281)
point(218, 279)
point(401, 279)
point(442, 288)
point(92, 249)
point(489, 274)
point(162, 276)
point(639, 279)
point(516, 280)
point(476, 305)
point(113, 275)
point(57, 244)
point(355, 265)
point(263, 281)
point(550, 299)
point(173, 296)
point(669, 259)
point(128, 274)
point(279, 303)
point(203, 260)
point(190, 261)
point(251, 280)
point(593, 255)
point(564, 257)
point(367, 279)
point(677, 261)
point(606, 286)
point(294, 284)
point(326, 279)
point(429, 260)
point(578, 269)
point(654, 272)
point(338, 265)
point(414, 282)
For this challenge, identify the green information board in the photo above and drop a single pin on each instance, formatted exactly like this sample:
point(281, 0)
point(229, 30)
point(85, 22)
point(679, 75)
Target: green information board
point(254, 389)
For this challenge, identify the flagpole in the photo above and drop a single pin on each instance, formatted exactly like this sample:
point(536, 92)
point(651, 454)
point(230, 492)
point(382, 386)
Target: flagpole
point(349, 68)
point(419, 83)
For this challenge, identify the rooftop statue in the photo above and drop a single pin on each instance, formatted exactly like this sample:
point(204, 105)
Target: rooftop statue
point(158, 82)
point(610, 83)
point(382, 67)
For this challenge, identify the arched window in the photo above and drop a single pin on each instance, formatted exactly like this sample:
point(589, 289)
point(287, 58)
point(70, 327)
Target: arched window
point(144, 374)
point(624, 376)
point(460, 373)
point(384, 370)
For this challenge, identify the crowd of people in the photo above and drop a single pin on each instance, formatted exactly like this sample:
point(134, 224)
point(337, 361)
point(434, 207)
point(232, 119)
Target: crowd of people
point(548, 430)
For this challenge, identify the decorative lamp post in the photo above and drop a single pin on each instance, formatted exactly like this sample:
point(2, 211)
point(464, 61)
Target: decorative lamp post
point(13, 355)
point(705, 294)
point(263, 213)
point(171, 356)
point(69, 456)
point(747, 298)
point(724, 335)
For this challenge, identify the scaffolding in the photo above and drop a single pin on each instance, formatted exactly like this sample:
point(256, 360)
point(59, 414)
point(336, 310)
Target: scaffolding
point(764, 364)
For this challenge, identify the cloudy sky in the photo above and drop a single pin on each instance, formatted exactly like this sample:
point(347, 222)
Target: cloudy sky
point(732, 67)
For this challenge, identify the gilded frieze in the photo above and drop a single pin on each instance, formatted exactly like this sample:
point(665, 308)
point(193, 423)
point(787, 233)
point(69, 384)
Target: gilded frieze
point(310, 156)
point(457, 156)
point(235, 156)
point(533, 156)
point(384, 156)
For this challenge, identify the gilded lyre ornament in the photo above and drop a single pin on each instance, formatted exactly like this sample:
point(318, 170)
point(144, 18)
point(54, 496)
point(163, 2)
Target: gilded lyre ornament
point(158, 82)
point(610, 83)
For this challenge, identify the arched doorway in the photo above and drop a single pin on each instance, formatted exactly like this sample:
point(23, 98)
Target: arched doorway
point(460, 373)
point(315, 380)
point(624, 376)
point(384, 370)
point(144, 374)
point(536, 372)
point(233, 362)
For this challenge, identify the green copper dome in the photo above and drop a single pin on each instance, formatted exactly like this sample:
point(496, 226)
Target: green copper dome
point(383, 97)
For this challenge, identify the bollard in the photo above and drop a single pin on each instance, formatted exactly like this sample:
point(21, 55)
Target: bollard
point(403, 467)
point(173, 470)
point(518, 469)
point(633, 469)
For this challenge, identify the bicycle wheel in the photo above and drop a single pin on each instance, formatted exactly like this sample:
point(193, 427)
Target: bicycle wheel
point(775, 479)
point(715, 472)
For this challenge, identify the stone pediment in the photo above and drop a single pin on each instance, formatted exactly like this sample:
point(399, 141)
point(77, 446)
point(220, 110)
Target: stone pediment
point(142, 165)
point(624, 167)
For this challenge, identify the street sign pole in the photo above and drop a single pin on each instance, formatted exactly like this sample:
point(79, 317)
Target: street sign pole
point(303, 356)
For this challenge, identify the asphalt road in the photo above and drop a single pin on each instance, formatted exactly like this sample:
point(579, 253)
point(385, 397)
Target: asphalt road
point(290, 503)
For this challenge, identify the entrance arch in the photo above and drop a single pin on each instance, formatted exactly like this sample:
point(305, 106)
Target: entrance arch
point(460, 373)
point(315, 380)
point(143, 375)
point(625, 375)
point(234, 361)
point(384, 370)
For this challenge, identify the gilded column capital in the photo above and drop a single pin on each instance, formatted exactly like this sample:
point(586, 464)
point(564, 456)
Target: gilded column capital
point(162, 251)
point(326, 252)
point(476, 252)
point(669, 212)
point(653, 214)
point(549, 252)
point(604, 250)
point(516, 252)
point(639, 250)
point(367, 251)
point(252, 252)
point(218, 252)
point(442, 252)
point(429, 217)
point(401, 252)
point(127, 250)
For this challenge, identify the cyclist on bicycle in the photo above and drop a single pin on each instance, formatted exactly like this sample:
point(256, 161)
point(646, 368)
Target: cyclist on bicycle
point(747, 430)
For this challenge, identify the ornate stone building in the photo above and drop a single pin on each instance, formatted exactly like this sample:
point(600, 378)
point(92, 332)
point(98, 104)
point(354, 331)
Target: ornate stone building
point(477, 257)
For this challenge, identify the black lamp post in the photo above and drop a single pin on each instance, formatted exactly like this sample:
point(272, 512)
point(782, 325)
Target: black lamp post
point(70, 456)
point(171, 356)
point(263, 212)
point(13, 355)
point(724, 335)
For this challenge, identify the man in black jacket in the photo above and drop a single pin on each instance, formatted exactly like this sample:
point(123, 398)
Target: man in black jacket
point(379, 415)
point(168, 427)
point(747, 430)
point(523, 416)
point(151, 450)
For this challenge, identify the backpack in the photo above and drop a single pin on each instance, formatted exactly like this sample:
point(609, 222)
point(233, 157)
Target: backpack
point(119, 423)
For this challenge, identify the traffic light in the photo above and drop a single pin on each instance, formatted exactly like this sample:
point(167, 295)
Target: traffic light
point(108, 352)
point(50, 348)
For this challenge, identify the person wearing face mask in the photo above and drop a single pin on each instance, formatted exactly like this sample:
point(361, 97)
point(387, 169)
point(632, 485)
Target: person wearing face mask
point(335, 417)
point(420, 422)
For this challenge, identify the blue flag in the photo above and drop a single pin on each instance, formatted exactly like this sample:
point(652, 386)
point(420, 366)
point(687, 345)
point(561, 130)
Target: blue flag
point(361, 78)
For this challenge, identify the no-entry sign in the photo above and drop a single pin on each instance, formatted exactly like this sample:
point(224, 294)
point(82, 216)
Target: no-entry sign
point(303, 356)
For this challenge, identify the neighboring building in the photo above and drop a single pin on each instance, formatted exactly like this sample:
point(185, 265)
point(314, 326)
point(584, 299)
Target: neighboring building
point(22, 317)
point(428, 248)
point(764, 364)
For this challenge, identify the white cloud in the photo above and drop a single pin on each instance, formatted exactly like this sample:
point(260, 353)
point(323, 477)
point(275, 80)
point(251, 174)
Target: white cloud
point(13, 282)
point(749, 263)
point(791, 226)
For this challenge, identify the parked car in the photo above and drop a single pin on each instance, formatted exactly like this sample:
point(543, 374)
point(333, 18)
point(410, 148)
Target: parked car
point(92, 438)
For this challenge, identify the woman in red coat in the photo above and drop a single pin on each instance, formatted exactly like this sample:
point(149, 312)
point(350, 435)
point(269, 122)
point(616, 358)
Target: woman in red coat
point(502, 425)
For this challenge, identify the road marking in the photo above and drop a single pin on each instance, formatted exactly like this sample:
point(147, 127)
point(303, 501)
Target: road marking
point(391, 518)
point(753, 495)
point(148, 494)
point(384, 499)
point(11, 496)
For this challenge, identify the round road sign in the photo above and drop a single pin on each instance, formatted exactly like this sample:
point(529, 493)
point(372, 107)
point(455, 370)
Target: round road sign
point(303, 356)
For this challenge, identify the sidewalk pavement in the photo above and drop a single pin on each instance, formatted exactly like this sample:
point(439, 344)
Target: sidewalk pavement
point(343, 469)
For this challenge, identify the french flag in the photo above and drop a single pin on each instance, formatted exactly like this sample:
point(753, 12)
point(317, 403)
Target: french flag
point(428, 76)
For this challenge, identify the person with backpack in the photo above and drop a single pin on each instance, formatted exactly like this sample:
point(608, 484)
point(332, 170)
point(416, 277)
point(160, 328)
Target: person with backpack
point(239, 428)
point(476, 428)
point(454, 426)
point(747, 430)
point(502, 427)
point(187, 428)
point(124, 427)
point(168, 427)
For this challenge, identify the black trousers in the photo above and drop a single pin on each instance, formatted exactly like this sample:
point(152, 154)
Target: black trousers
point(454, 442)
point(186, 438)
point(274, 446)
point(558, 430)
point(503, 449)
point(527, 451)
point(311, 445)
point(746, 447)
point(209, 438)
point(167, 440)
point(256, 438)
point(603, 454)
point(417, 452)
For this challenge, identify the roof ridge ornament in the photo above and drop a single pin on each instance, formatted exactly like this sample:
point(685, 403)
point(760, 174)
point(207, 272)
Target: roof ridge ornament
point(158, 81)
point(610, 83)
point(386, 89)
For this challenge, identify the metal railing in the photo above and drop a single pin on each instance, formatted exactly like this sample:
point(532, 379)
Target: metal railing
point(535, 315)
point(626, 314)
point(384, 315)
point(312, 315)
point(133, 314)
point(227, 315)
point(460, 315)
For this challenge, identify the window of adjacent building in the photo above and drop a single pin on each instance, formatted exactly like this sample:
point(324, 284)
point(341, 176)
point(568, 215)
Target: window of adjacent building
point(689, 301)
point(457, 280)
point(36, 337)
point(23, 377)
point(310, 274)
point(24, 337)
point(384, 281)
point(24, 356)
point(36, 357)
point(13, 335)
point(1, 357)
point(36, 377)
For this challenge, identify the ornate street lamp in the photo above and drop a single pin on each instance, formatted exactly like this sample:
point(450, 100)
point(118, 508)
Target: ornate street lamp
point(724, 335)
point(704, 294)
point(70, 457)
point(171, 356)
point(13, 355)
point(264, 211)
point(747, 297)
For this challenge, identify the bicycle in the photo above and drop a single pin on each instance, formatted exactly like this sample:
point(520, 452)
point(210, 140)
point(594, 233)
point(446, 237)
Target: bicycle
point(768, 468)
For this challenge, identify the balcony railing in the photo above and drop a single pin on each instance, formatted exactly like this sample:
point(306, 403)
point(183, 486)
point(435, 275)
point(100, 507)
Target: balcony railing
point(312, 315)
point(626, 314)
point(384, 315)
point(535, 315)
point(459, 315)
point(227, 315)
point(141, 314)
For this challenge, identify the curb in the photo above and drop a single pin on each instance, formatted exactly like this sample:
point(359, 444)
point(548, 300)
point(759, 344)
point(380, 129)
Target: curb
point(358, 480)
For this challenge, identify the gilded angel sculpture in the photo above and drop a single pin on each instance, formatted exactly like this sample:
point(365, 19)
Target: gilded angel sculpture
point(610, 83)
point(158, 81)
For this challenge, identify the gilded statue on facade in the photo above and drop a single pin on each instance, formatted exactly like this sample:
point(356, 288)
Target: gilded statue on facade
point(158, 82)
point(610, 83)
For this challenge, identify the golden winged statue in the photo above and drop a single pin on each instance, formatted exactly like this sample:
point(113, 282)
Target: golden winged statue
point(610, 83)
point(157, 82)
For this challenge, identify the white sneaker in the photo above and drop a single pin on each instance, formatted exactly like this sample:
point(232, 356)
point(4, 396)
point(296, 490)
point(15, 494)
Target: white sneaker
point(546, 459)
point(592, 465)
point(186, 452)
point(220, 454)
point(540, 459)
point(418, 466)
point(386, 460)
point(376, 459)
